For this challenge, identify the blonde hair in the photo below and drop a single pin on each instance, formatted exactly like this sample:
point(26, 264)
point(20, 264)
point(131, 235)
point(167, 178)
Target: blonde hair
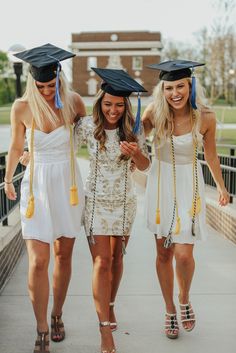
point(125, 124)
point(41, 110)
point(163, 115)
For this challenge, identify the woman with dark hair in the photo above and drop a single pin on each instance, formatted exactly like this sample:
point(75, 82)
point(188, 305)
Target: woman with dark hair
point(113, 138)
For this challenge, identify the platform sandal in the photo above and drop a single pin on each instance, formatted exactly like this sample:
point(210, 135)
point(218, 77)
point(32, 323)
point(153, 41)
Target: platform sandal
point(105, 324)
point(187, 315)
point(171, 326)
point(57, 328)
point(113, 325)
point(42, 342)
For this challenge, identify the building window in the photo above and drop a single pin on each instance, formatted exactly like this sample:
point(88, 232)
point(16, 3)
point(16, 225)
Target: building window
point(92, 86)
point(137, 63)
point(91, 62)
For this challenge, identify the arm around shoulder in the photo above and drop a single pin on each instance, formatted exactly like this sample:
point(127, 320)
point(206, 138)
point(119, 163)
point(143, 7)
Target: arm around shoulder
point(80, 108)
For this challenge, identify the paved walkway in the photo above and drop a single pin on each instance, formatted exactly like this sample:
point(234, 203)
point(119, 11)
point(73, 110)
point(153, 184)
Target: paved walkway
point(139, 305)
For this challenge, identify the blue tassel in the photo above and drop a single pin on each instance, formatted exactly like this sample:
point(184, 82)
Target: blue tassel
point(58, 102)
point(136, 128)
point(193, 93)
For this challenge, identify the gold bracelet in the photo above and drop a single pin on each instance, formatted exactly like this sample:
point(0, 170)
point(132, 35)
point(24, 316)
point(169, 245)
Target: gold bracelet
point(7, 182)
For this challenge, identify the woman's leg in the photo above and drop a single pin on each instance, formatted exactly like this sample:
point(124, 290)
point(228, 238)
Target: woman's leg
point(101, 283)
point(165, 272)
point(116, 273)
point(63, 248)
point(38, 283)
point(185, 266)
point(39, 255)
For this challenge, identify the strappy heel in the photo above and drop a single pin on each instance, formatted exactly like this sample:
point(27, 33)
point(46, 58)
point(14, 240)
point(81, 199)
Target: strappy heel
point(57, 328)
point(103, 324)
point(42, 342)
point(113, 325)
point(171, 326)
point(187, 315)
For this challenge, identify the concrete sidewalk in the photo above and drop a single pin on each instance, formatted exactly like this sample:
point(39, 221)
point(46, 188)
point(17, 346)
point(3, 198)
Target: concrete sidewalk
point(139, 305)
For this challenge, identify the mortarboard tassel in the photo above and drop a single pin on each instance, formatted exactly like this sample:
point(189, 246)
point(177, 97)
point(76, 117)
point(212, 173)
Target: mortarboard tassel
point(136, 128)
point(58, 102)
point(193, 93)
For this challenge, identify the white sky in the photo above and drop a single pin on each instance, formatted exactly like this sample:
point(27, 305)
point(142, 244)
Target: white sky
point(32, 23)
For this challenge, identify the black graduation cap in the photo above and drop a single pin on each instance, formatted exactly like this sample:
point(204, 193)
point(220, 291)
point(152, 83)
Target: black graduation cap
point(174, 70)
point(118, 82)
point(44, 61)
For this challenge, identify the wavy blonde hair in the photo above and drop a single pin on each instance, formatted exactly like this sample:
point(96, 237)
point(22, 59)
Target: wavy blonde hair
point(125, 124)
point(163, 116)
point(41, 110)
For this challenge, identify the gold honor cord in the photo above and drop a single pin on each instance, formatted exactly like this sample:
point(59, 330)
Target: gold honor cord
point(74, 198)
point(158, 214)
point(30, 207)
point(196, 200)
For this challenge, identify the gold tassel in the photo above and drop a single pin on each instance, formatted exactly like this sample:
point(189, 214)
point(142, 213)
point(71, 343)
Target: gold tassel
point(74, 198)
point(30, 208)
point(177, 226)
point(158, 218)
point(198, 207)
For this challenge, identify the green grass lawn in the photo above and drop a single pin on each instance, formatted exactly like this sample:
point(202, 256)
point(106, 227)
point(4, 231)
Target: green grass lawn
point(226, 114)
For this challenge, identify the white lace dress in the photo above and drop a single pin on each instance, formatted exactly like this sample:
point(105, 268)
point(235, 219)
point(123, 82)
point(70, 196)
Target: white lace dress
point(183, 146)
point(110, 205)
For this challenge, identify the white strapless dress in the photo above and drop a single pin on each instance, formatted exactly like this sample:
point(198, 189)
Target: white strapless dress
point(53, 216)
point(184, 184)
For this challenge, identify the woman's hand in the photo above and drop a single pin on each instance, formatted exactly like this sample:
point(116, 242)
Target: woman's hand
point(223, 196)
point(130, 149)
point(25, 158)
point(10, 191)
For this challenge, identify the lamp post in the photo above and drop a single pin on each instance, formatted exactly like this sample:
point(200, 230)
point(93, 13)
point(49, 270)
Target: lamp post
point(17, 65)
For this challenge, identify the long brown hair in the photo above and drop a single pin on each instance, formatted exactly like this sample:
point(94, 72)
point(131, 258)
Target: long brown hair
point(125, 124)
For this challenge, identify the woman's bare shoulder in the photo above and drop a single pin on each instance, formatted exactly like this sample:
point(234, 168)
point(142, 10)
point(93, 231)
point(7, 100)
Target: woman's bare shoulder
point(19, 110)
point(208, 120)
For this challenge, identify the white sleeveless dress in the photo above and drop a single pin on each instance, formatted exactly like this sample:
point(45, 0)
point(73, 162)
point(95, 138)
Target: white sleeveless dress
point(183, 146)
point(53, 216)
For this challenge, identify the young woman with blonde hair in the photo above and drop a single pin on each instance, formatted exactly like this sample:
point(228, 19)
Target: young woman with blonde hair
point(52, 196)
point(175, 209)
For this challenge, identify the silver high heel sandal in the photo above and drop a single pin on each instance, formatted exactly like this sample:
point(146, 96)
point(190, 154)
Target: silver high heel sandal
point(113, 325)
point(105, 324)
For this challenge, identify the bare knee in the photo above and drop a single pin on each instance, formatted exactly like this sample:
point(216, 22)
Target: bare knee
point(102, 264)
point(38, 264)
point(164, 255)
point(184, 259)
point(63, 259)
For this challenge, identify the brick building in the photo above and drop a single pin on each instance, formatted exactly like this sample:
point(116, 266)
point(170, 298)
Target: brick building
point(130, 51)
